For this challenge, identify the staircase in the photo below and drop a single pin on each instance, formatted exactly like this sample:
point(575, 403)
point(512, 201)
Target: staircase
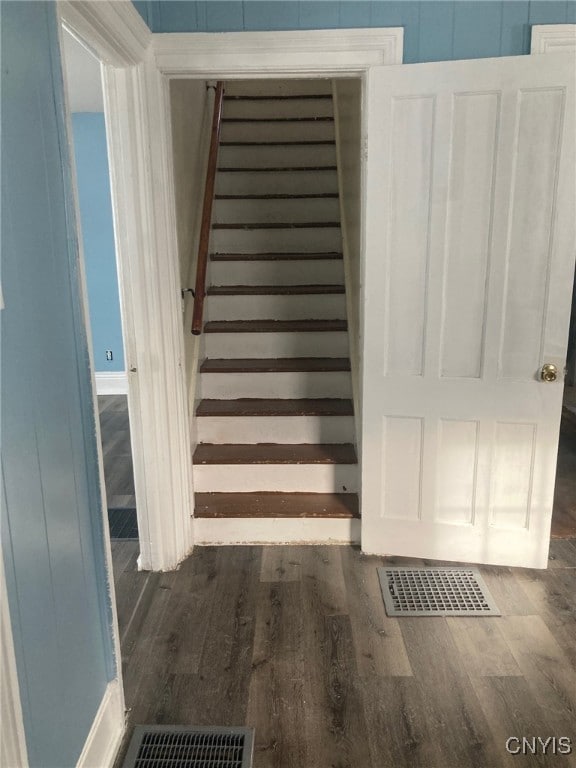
point(275, 422)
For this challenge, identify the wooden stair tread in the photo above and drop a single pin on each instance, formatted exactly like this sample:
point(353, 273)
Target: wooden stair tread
point(276, 169)
point(275, 453)
point(275, 365)
point(319, 143)
point(274, 326)
point(248, 406)
point(272, 290)
point(280, 225)
point(276, 504)
point(284, 196)
point(278, 97)
point(306, 256)
point(311, 119)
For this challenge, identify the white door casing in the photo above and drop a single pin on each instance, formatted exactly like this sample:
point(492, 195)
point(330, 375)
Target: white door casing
point(257, 55)
point(469, 257)
point(137, 120)
point(553, 38)
point(278, 54)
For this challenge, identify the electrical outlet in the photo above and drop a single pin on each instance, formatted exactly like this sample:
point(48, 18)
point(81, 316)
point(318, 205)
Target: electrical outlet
point(109, 355)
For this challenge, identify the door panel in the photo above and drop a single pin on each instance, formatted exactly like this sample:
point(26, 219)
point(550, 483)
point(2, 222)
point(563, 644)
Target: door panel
point(531, 230)
point(470, 248)
point(474, 131)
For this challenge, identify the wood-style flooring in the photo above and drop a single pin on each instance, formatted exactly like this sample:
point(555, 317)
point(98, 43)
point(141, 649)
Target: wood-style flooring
point(115, 432)
point(295, 642)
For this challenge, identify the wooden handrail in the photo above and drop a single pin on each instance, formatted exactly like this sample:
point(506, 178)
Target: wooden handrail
point(201, 266)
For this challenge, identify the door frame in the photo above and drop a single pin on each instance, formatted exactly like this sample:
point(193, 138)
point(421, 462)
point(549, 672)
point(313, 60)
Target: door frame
point(12, 735)
point(552, 38)
point(107, 729)
point(149, 287)
point(137, 68)
point(259, 55)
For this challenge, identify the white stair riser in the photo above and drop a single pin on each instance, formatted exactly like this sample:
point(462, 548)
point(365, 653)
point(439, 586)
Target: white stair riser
point(276, 272)
point(296, 344)
point(281, 183)
point(290, 130)
point(299, 156)
point(306, 240)
point(289, 384)
point(275, 307)
point(264, 211)
point(277, 87)
point(274, 429)
point(277, 530)
point(278, 108)
point(306, 478)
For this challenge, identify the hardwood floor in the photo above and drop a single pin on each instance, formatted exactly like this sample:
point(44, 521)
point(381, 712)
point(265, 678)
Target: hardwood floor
point(115, 432)
point(295, 642)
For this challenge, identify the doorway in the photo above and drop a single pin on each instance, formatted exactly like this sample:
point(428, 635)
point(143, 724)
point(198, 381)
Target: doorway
point(86, 107)
point(564, 514)
point(275, 377)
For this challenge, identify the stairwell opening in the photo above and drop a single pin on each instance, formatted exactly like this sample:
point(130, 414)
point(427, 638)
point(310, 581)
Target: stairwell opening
point(273, 378)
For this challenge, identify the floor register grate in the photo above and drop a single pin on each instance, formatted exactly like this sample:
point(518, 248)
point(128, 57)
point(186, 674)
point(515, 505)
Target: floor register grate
point(166, 746)
point(435, 592)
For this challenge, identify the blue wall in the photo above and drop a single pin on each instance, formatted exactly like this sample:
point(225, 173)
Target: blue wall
point(434, 30)
point(98, 238)
point(51, 521)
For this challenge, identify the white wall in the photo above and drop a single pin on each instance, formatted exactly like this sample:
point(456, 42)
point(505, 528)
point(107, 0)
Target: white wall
point(348, 117)
point(191, 113)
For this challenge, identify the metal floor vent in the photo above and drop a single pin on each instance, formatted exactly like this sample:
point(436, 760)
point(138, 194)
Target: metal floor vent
point(173, 746)
point(435, 592)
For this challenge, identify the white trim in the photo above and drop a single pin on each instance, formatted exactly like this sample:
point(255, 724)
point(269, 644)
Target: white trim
point(113, 29)
point(355, 345)
point(259, 530)
point(317, 52)
point(177, 488)
point(12, 737)
point(553, 38)
point(138, 136)
point(107, 730)
point(138, 133)
point(111, 382)
point(121, 100)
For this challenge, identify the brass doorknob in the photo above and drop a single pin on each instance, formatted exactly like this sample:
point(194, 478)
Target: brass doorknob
point(549, 372)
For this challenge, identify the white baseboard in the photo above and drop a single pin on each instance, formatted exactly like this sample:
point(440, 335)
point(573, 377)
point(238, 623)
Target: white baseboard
point(107, 730)
point(256, 530)
point(111, 383)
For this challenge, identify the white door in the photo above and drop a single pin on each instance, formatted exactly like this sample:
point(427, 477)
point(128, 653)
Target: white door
point(470, 243)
